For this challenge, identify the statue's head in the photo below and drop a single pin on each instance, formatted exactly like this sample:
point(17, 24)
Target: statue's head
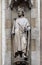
point(20, 12)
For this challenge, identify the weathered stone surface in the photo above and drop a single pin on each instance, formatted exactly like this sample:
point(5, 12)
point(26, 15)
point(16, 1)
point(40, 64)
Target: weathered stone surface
point(34, 33)
point(0, 25)
point(8, 14)
point(34, 3)
point(0, 49)
point(8, 24)
point(8, 33)
point(8, 52)
point(33, 45)
point(8, 58)
point(34, 13)
point(8, 44)
point(33, 22)
point(41, 35)
point(34, 58)
point(0, 16)
point(0, 36)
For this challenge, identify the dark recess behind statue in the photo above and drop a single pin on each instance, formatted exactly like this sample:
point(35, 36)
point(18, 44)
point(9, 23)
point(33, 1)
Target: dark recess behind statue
point(19, 3)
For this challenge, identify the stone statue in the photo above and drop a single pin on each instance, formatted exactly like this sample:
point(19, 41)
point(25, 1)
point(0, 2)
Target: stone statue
point(19, 31)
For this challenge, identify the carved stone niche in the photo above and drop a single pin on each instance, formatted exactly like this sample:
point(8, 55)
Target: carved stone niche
point(22, 3)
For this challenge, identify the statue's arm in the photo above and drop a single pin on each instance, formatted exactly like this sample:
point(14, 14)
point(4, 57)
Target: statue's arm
point(13, 30)
point(13, 27)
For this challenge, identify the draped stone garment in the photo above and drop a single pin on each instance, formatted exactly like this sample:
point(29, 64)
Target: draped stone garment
point(20, 37)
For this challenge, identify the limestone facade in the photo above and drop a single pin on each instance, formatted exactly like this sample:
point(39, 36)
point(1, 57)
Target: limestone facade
point(6, 25)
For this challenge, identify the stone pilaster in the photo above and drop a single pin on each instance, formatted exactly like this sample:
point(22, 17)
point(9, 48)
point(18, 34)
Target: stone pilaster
point(0, 34)
point(35, 19)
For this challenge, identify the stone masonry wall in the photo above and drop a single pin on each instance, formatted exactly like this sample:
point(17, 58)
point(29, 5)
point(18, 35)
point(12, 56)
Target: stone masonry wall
point(35, 32)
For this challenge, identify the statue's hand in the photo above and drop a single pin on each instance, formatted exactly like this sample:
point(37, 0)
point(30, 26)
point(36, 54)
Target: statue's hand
point(25, 29)
point(13, 34)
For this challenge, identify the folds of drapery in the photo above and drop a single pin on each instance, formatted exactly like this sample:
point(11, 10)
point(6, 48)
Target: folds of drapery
point(20, 37)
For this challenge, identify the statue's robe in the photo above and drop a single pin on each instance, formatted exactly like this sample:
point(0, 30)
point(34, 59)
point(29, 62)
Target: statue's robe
point(20, 36)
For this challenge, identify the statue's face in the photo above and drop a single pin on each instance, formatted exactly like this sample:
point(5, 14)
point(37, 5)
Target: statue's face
point(19, 13)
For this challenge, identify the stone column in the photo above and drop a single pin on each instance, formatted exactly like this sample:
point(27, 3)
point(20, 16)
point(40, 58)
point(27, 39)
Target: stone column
point(0, 34)
point(35, 23)
point(3, 33)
